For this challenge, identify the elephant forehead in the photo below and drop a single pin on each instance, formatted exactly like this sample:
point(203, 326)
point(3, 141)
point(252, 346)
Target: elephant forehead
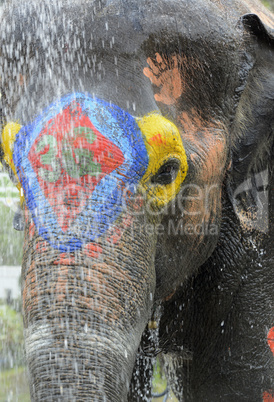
point(74, 161)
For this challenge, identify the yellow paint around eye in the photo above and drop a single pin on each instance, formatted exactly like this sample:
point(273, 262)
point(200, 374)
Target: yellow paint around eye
point(8, 138)
point(163, 142)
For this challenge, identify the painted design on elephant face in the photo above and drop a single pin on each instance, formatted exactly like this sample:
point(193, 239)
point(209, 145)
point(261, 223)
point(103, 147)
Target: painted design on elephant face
point(171, 76)
point(270, 339)
point(70, 157)
point(167, 159)
point(268, 396)
point(8, 138)
point(73, 161)
point(165, 74)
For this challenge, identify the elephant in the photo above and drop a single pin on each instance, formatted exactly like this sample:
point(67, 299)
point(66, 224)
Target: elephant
point(140, 137)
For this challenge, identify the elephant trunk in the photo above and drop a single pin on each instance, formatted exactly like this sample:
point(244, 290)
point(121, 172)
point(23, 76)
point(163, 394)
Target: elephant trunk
point(77, 364)
point(84, 315)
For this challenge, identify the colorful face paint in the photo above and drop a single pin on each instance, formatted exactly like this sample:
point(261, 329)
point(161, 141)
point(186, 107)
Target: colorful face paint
point(270, 339)
point(8, 138)
point(163, 143)
point(73, 162)
point(77, 158)
point(268, 396)
point(165, 74)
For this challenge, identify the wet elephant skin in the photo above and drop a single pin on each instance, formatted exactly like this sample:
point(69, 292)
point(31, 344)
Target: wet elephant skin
point(141, 135)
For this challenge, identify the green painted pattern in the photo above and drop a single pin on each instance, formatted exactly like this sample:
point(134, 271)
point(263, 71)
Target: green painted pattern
point(49, 158)
point(77, 162)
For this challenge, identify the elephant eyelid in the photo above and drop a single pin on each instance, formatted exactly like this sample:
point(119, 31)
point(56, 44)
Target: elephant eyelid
point(167, 172)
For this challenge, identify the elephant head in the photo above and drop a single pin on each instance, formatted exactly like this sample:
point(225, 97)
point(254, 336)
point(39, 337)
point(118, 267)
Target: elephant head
point(137, 134)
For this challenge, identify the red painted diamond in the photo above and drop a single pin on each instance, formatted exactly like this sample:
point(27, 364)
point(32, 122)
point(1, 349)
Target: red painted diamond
point(69, 158)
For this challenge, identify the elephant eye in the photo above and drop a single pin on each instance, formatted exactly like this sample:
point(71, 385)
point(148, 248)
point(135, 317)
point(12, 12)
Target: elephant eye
point(167, 172)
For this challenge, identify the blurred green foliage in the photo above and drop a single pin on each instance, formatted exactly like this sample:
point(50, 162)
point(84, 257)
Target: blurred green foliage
point(11, 241)
point(11, 337)
point(159, 384)
point(14, 385)
point(269, 4)
point(13, 380)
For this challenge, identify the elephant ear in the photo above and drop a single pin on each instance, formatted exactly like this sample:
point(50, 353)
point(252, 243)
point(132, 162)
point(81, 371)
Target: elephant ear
point(253, 130)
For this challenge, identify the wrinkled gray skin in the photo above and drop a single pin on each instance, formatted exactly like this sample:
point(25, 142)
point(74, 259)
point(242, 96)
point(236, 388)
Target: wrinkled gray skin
point(84, 320)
